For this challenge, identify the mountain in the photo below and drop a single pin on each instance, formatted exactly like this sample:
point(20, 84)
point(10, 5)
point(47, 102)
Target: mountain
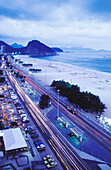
point(56, 49)
point(8, 49)
point(36, 48)
point(15, 45)
point(77, 48)
point(33, 48)
point(81, 49)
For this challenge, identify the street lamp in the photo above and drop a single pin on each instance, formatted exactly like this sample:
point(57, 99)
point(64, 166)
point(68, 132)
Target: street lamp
point(58, 105)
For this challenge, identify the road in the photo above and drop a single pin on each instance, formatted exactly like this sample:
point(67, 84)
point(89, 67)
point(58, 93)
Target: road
point(90, 127)
point(64, 152)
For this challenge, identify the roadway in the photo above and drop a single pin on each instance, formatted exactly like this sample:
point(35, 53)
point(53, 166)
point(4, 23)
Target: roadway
point(64, 152)
point(91, 128)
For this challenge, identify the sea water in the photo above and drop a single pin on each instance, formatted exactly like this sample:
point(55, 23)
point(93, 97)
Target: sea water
point(100, 61)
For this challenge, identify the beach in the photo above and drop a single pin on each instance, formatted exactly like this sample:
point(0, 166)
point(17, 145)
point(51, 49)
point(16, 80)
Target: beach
point(98, 83)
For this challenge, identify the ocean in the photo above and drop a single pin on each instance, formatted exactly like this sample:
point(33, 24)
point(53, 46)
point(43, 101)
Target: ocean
point(100, 61)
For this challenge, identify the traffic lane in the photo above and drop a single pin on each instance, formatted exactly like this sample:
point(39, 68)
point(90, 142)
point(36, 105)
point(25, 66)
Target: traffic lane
point(83, 125)
point(39, 111)
point(23, 97)
point(80, 122)
point(55, 102)
point(37, 120)
point(53, 136)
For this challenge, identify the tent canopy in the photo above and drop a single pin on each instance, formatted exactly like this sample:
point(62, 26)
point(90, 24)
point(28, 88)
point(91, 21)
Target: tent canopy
point(13, 139)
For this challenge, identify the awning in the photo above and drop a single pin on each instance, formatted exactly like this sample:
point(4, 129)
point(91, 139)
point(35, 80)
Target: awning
point(13, 139)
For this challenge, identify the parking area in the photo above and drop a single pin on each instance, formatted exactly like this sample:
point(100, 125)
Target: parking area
point(14, 115)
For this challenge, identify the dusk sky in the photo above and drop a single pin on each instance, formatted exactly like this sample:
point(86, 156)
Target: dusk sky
point(62, 23)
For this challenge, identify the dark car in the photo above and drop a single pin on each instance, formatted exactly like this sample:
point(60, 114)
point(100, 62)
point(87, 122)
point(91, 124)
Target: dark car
point(17, 104)
point(35, 135)
point(35, 140)
point(32, 131)
point(27, 130)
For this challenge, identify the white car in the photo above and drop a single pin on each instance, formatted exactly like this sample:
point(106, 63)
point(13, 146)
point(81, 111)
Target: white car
point(51, 165)
point(23, 115)
point(41, 146)
point(48, 161)
point(47, 157)
point(25, 120)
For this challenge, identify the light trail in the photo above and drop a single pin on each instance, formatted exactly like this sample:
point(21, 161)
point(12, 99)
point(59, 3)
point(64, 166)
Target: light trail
point(39, 117)
point(75, 118)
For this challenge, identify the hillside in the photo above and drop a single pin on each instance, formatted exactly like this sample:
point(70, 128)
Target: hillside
point(8, 49)
point(15, 45)
point(33, 48)
point(36, 48)
point(56, 49)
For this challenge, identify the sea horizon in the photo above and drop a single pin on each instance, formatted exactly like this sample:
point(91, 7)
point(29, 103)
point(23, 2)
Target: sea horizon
point(98, 61)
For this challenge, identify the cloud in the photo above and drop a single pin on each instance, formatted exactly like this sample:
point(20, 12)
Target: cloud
point(41, 10)
point(63, 22)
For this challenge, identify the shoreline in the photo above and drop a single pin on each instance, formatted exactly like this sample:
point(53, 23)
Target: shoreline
point(96, 82)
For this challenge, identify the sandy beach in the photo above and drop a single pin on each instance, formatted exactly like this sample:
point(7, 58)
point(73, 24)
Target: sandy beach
point(98, 83)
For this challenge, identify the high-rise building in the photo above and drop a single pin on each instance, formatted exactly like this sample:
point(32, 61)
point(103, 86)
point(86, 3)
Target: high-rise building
point(2, 50)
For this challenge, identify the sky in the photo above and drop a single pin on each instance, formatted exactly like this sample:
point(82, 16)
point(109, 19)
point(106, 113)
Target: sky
point(61, 23)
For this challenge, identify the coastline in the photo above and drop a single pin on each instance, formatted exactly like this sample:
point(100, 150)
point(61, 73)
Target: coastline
point(96, 82)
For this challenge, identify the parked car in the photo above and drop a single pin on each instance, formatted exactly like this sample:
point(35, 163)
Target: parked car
point(51, 165)
point(30, 127)
point(32, 131)
point(41, 148)
point(35, 135)
point(35, 140)
point(47, 157)
point(17, 104)
point(27, 130)
point(19, 107)
point(25, 120)
point(23, 115)
point(48, 161)
point(38, 143)
point(21, 112)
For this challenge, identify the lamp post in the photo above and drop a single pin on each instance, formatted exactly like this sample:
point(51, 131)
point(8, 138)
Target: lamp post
point(45, 77)
point(58, 105)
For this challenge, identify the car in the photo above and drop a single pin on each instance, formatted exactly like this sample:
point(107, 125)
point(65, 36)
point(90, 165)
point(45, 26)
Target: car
point(41, 149)
point(35, 140)
point(41, 146)
point(71, 134)
point(51, 165)
point(38, 143)
point(21, 112)
point(19, 107)
point(27, 130)
point(47, 157)
point(17, 104)
point(23, 115)
point(35, 135)
point(25, 120)
point(32, 131)
point(48, 161)
point(30, 127)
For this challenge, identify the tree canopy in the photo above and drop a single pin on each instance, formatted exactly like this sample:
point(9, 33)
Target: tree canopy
point(44, 101)
point(85, 100)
